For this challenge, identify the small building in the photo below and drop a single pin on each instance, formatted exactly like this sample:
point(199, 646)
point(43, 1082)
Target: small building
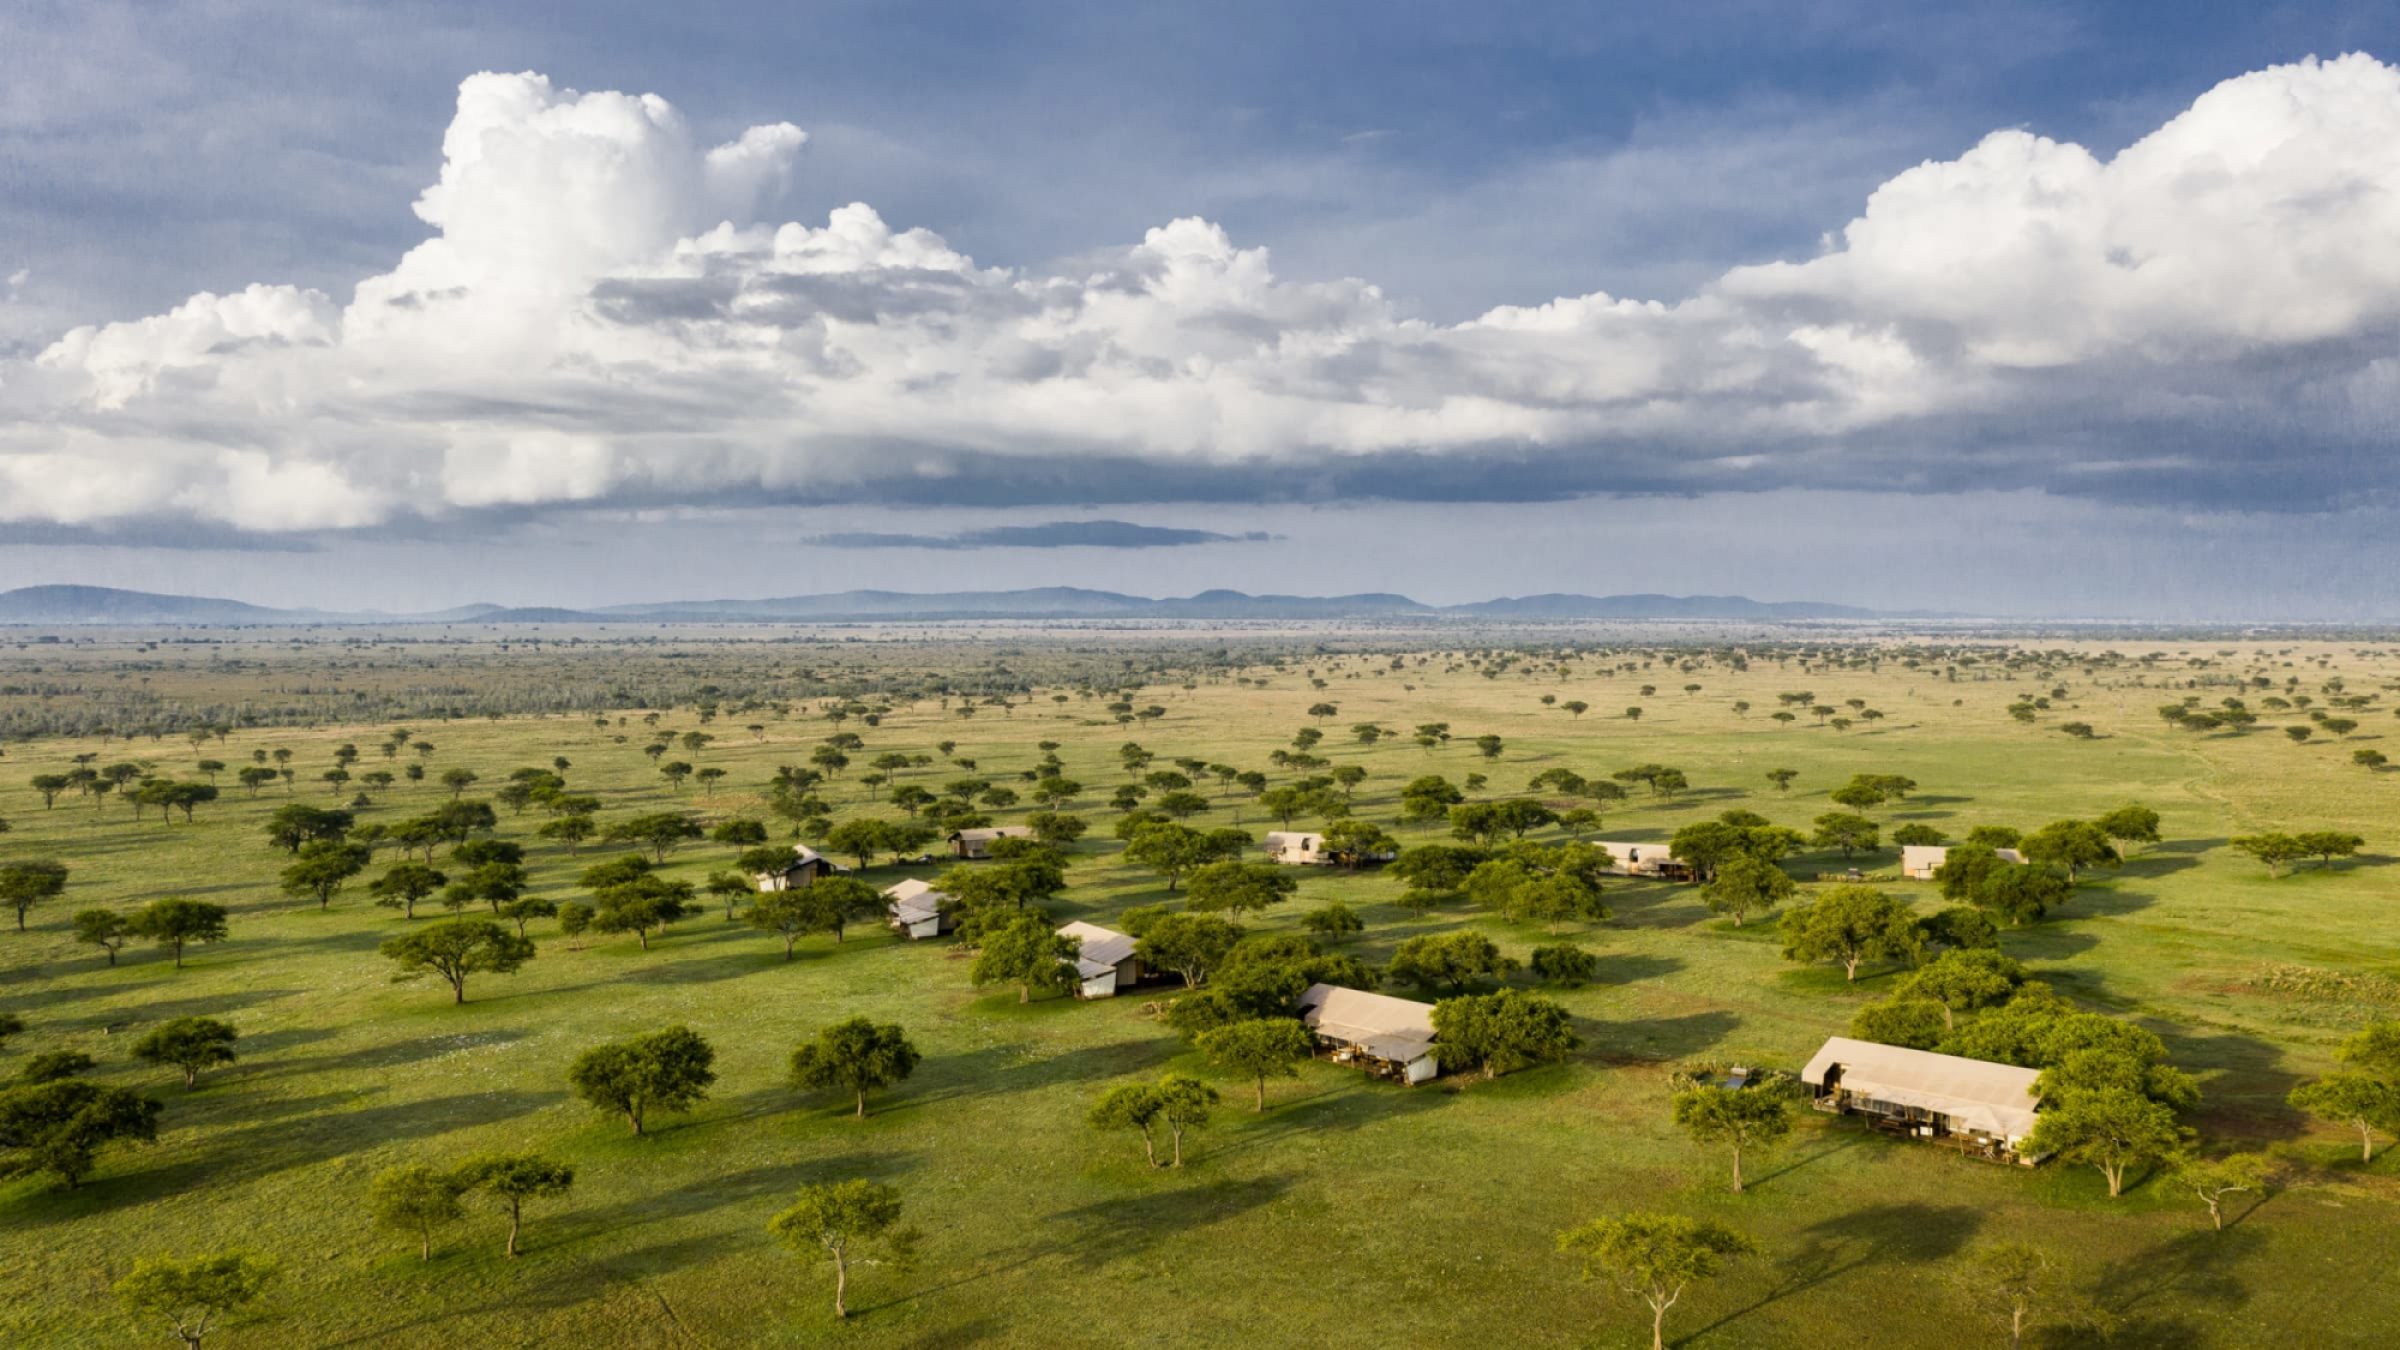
point(916, 909)
point(1981, 1108)
point(1106, 964)
point(1917, 861)
point(1393, 1037)
point(1297, 848)
point(1646, 860)
point(806, 868)
point(977, 843)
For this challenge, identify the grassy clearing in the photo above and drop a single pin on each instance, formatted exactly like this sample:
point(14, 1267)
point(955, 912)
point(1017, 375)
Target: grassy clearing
point(1351, 1211)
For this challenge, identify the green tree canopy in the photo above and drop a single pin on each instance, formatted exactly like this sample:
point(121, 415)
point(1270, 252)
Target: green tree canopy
point(192, 1296)
point(189, 1044)
point(457, 948)
point(856, 1056)
point(1654, 1257)
point(854, 1222)
point(669, 1070)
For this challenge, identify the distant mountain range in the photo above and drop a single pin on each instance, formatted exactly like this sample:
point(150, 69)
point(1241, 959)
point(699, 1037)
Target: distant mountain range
point(86, 605)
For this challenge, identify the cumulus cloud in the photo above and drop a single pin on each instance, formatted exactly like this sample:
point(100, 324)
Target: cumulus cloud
point(1049, 534)
point(600, 316)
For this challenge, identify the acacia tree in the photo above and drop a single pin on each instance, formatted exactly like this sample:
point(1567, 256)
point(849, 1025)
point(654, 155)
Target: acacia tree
point(458, 948)
point(2113, 1129)
point(415, 1198)
point(27, 883)
point(2130, 824)
point(786, 914)
point(2015, 1284)
point(1744, 885)
point(1191, 945)
point(856, 1056)
point(404, 884)
point(1501, 1033)
point(1654, 1257)
point(1964, 980)
point(321, 868)
point(2210, 1180)
point(1259, 1048)
point(2361, 1101)
point(1849, 925)
point(1846, 831)
point(1452, 960)
point(513, 1179)
point(847, 1222)
point(668, 1070)
point(62, 1125)
point(1028, 954)
point(105, 929)
point(190, 1044)
point(174, 923)
point(1183, 1106)
point(1240, 887)
point(192, 1295)
point(1135, 1106)
point(1738, 1118)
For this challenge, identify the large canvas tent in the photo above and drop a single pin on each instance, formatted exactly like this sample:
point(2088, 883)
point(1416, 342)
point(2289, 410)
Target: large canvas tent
point(1393, 1036)
point(1988, 1107)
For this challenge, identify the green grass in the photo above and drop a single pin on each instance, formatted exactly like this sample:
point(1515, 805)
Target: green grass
point(1351, 1211)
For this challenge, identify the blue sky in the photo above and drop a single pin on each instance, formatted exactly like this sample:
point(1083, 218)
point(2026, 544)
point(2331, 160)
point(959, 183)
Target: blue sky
point(1454, 158)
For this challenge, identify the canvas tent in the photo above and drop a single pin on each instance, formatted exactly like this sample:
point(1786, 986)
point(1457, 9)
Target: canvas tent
point(1393, 1036)
point(1917, 861)
point(1297, 848)
point(916, 908)
point(1988, 1107)
point(806, 867)
point(977, 843)
point(1106, 963)
point(1646, 860)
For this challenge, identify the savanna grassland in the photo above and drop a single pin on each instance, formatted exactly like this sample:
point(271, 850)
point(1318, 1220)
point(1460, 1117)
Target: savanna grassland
point(1351, 1211)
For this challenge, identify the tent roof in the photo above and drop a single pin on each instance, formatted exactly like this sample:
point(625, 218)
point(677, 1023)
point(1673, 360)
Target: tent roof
point(1997, 1099)
point(1388, 1028)
point(1104, 949)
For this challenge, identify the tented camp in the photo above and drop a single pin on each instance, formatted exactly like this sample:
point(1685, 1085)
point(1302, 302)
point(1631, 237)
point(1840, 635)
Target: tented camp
point(1297, 848)
point(977, 843)
point(916, 909)
point(1106, 963)
point(1646, 860)
point(807, 866)
point(1393, 1037)
point(1917, 861)
point(1981, 1108)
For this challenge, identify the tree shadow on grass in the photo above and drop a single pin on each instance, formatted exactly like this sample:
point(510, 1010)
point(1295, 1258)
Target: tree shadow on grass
point(749, 1186)
point(1001, 1069)
point(312, 1131)
point(151, 1011)
point(1128, 1227)
point(258, 1045)
point(2149, 867)
point(1615, 968)
point(1338, 1110)
point(1839, 1143)
point(2245, 1099)
point(2145, 1290)
point(1656, 1040)
point(379, 1058)
point(2105, 902)
point(1653, 905)
point(1890, 1235)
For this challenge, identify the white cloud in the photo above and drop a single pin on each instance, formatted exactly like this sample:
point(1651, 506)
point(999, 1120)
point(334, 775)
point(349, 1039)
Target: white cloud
point(601, 315)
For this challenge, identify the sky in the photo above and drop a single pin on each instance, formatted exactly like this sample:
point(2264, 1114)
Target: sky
point(2017, 309)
